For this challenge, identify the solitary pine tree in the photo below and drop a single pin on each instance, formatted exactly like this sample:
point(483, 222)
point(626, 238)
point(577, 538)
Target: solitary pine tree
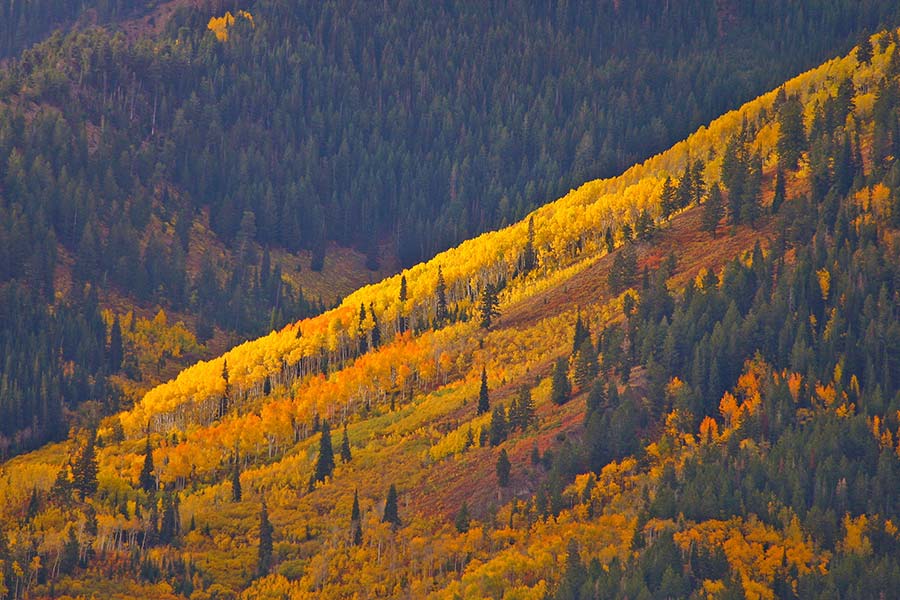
point(84, 471)
point(462, 519)
point(362, 338)
point(376, 332)
point(264, 556)
point(356, 520)
point(440, 300)
point(503, 468)
point(580, 334)
point(223, 402)
point(529, 255)
point(779, 197)
point(585, 363)
point(713, 210)
point(391, 514)
point(560, 388)
point(667, 198)
point(498, 426)
point(401, 320)
point(487, 306)
point(146, 479)
point(345, 447)
point(325, 462)
point(484, 401)
point(236, 479)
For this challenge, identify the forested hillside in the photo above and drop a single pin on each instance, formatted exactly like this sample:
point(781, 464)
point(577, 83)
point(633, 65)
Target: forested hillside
point(241, 172)
point(679, 382)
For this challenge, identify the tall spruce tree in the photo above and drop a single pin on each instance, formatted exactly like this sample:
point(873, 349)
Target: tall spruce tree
point(355, 521)
point(484, 400)
point(529, 254)
point(713, 210)
point(441, 312)
point(264, 554)
point(346, 455)
point(391, 510)
point(325, 462)
point(84, 471)
point(560, 388)
point(236, 478)
point(487, 305)
point(146, 480)
point(503, 469)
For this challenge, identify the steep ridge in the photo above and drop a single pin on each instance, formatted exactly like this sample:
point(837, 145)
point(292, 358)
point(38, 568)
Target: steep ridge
point(404, 381)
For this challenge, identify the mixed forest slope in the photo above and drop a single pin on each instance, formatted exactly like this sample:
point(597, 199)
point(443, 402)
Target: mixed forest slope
point(679, 381)
point(242, 165)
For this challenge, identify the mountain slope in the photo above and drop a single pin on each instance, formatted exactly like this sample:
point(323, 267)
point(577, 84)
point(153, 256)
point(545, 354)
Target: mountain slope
point(245, 178)
point(745, 349)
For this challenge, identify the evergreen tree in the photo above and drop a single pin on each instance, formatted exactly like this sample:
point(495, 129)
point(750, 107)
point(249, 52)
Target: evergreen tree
point(779, 197)
point(609, 241)
point(236, 478)
point(362, 339)
point(223, 402)
point(498, 426)
point(560, 388)
point(61, 490)
point(146, 480)
point(529, 255)
point(574, 577)
point(70, 553)
point(713, 210)
point(84, 471)
point(325, 462)
point(484, 401)
point(521, 412)
point(170, 526)
point(441, 313)
point(391, 514)
point(585, 363)
point(623, 271)
point(864, 50)
point(264, 554)
point(580, 334)
point(791, 134)
point(356, 520)
point(376, 332)
point(462, 520)
point(345, 447)
point(597, 398)
point(401, 319)
point(503, 469)
point(487, 305)
point(667, 198)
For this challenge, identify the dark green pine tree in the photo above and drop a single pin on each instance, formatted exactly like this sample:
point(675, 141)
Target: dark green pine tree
point(529, 254)
point(362, 338)
point(498, 426)
point(560, 388)
point(864, 50)
point(609, 240)
point(779, 197)
point(325, 462)
point(580, 334)
point(264, 555)
point(401, 320)
point(376, 332)
point(84, 471)
point(346, 455)
point(356, 521)
point(115, 352)
point(146, 480)
point(223, 402)
point(503, 469)
point(441, 312)
point(791, 135)
point(574, 577)
point(713, 210)
point(667, 198)
point(484, 400)
point(585, 363)
point(391, 513)
point(487, 305)
point(463, 519)
point(236, 478)
point(70, 553)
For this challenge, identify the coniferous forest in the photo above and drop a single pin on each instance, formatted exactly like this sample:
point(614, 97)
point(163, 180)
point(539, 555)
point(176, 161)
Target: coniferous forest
point(681, 379)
